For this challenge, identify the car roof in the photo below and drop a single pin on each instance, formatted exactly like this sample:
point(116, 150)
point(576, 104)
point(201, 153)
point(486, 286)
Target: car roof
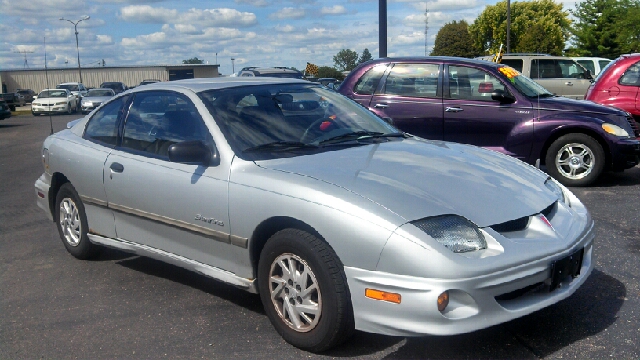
point(448, 59)
point(202, 84)
point(70, 83)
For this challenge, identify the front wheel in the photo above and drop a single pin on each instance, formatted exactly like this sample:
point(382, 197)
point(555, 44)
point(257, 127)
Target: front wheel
point(304, 290)
point(575, 160)
point(72, 224)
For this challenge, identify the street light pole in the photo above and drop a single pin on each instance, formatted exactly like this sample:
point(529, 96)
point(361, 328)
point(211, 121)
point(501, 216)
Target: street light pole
point(75, 26)
point(233, 65)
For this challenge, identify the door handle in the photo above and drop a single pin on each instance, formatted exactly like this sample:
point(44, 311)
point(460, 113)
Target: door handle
point(116, 167)
point(380, 106)
point(453, 109)
point(569, 83)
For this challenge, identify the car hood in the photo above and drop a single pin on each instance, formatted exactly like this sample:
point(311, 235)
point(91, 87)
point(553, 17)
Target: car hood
point(415, 178)
point(566, 104)
point(96, 98)
point(49, 101)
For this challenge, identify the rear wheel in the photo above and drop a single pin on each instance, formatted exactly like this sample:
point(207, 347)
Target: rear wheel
point(575, 159)
point(72, 224)
point(304, 290)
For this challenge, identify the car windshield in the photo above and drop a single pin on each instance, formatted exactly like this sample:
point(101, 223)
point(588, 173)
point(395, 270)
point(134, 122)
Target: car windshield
point(292, 117)
point(522, 83)
point(52, 94)
point(99, 92)
point(69, 87)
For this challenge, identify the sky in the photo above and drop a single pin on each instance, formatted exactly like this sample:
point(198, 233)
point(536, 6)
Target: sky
point(260, 33)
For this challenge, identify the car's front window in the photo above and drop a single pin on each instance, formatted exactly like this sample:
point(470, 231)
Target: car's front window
point(52, 94)
point(68, 87)
point(99, 93)
point(290, 116)
point(522, 83)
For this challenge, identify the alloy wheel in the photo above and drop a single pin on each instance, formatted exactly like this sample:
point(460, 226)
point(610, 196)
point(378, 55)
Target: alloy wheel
point(575, 161)
point(70, 222)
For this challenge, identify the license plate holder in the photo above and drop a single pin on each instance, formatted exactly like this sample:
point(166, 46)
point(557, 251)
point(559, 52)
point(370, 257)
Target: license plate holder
point(567, 266)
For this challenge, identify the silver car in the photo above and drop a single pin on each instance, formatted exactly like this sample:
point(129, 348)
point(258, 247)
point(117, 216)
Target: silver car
point(339, 221)
point(95, 97)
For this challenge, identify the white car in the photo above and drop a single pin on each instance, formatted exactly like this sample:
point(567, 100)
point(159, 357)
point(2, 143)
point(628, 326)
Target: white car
point(54, 101)
point(76, 88)
point(593, 64)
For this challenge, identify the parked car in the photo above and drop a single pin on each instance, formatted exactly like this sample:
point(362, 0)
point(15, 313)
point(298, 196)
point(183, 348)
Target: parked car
point(560, 75)
point(494, 106)
point(55, 101)
point(76, 88)
point(593, 64)
point(619, 85)
point(280, 72)
point(5, 111)
point(94, 98)
point(148, 81)
point(117, 87)
point(288, 189)
point(13, 100)
point(28, 94)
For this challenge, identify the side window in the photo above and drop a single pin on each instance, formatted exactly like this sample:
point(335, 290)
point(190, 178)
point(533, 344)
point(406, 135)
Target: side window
point(545, 69)
point(570, 69)
point(472, 84)
point(603, 63)
point(631, 76)
point(157, 120)
point(368, 83)
point(415, 80)
point(514, 63)
point(589, 65)
point(103, 125)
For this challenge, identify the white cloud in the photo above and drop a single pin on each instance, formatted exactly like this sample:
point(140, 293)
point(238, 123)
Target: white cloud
point(104, 39)
point(147, 14)
point(416, 37)
point(202, 17)
point(40, 8)
point(258, 3)
point(288, 13)
point(285, 29)
point(334, 10)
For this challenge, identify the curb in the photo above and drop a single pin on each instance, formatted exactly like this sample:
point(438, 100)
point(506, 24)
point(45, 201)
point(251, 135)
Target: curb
point(20, 112)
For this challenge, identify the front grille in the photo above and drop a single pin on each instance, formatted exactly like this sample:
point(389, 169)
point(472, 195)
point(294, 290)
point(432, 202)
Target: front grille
point(634, 125)
point(513, 225)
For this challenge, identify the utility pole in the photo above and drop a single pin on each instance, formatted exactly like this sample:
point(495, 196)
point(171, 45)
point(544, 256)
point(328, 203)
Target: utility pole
point(426, 26)
point(508, 25)
point(25, 52)
point(382, 28)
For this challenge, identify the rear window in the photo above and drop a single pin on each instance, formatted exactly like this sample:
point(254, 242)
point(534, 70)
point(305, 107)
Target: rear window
point(631, 76)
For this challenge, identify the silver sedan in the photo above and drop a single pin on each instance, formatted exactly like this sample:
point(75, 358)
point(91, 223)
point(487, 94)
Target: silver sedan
point(337, 219)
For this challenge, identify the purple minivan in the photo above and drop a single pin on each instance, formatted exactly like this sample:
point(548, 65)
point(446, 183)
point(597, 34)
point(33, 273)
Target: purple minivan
point(494, 106)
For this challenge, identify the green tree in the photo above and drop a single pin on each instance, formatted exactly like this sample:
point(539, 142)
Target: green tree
point(606, 28)
point(329, 72)
point(453, 39)
point(345, 60)
point(193, 60)
point(489, 30)
point(364, 57)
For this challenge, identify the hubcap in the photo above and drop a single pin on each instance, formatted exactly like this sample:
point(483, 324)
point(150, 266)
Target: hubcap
point(575, 161)
point(70, 222)
point(295, 292)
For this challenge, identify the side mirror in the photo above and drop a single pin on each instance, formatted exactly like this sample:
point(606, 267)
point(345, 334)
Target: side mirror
point(193, 152)
point(502, 96)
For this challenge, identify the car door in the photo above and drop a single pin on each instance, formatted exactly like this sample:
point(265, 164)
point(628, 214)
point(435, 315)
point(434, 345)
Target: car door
point(411, 95)
point(177, 208)
point(367, 85)
point(563, 77)
point(471, 116)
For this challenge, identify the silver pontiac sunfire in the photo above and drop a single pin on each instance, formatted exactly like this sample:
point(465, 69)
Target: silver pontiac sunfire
point(337, 219)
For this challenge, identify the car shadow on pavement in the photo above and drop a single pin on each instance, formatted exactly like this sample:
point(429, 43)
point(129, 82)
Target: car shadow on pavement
point(630, 177)
point(3, 126)
point(589, 311)
point(194, 280)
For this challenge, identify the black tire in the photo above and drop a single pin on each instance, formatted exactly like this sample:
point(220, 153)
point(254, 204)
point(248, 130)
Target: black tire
point(575, 159)
point(12, 107)
point(73, 226)
point(334, 323)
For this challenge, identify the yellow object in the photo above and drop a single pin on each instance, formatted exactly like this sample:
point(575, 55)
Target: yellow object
point(311, 69)
point(383, 295)
point(443, 301)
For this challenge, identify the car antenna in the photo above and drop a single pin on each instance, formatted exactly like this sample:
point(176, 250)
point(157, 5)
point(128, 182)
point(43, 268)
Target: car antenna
point(46, 74)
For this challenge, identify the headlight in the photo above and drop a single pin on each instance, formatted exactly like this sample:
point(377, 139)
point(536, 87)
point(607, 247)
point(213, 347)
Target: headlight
point(454, 232)
point(615, 130)
point(553, 185)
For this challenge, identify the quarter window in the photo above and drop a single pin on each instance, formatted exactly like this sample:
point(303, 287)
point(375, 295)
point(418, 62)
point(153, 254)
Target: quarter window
point(472, 84)
point(157, 120)
point(415, 80)
point(631, 76)
point(514, 63)
point(103, 125)
point(368, 83)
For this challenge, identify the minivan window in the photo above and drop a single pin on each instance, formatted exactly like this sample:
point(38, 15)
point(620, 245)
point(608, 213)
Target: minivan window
point(523, 84)
point(514, 63)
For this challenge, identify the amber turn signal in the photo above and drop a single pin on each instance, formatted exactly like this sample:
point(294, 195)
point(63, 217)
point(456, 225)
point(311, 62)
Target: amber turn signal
point(382, 295)
point(443, 301)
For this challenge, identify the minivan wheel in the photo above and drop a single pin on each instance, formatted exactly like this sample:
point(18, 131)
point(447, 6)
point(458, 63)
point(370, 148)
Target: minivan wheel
point(304, 290)
point(72, 224)
point(575, 159)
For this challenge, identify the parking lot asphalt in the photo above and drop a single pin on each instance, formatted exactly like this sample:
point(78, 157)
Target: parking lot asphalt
point(125, 306)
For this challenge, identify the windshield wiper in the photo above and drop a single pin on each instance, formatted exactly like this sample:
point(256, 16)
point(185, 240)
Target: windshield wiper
point(358, 135)
point(280, 146)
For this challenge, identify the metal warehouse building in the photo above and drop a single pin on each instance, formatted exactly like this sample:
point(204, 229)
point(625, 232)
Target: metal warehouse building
point(38, 79)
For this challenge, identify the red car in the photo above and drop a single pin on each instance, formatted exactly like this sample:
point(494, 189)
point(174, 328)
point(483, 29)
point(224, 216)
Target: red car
point(619, 85)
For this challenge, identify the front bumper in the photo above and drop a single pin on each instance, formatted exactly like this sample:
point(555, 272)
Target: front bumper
point(87, 108)
point(625, 154)
point(42, 186)
point(49, 109)
point(475, 303)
